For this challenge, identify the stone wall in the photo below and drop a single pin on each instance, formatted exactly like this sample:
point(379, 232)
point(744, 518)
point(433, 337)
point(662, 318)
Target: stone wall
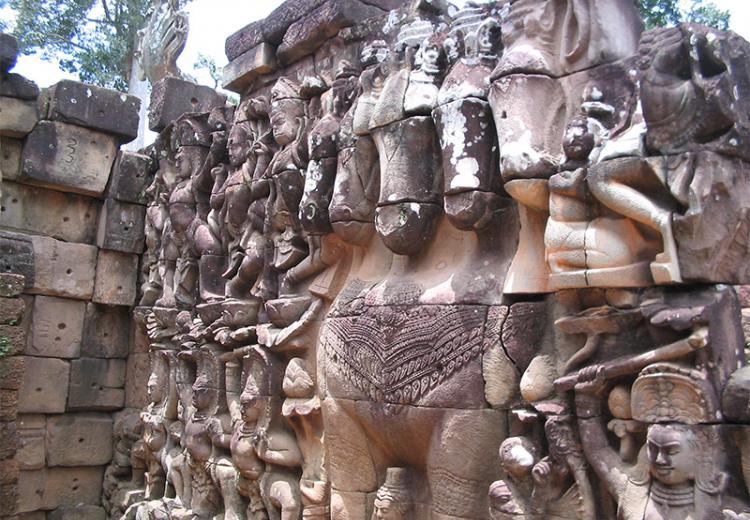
point(449, 264)
point(71, 223)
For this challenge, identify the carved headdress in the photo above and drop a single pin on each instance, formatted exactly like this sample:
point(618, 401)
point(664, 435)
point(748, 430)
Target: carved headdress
point(665, 392)
point(191, 130)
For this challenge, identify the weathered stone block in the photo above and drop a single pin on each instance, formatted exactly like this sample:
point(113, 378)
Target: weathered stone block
point(72, 486)
point(80, 439)
point(106, 331)
point(17, 116)
point(30, 490)
point(16, 86)
point(77, 513)
point(172, 97)
point(116, 276)
point(8, 52)
point(121, 226)
point(242, 71)
point(16, 258)
point(45, 386)
point(10, 158)
point(131, 176)
point(32, 431)
point(63, 269)
point(11, 310)
point(243, 40)
point(8, 405)
point(13, 339)
point(139, 368)
point(9, 502)
point(68, 158)
point(311, 31)
point(57, 329)
point(97, 384)
point(34, 515)
point(8, 441)
point(9, 471)
point(93, 107)
point(27, 208)
point(11, 372)
point(11, 285)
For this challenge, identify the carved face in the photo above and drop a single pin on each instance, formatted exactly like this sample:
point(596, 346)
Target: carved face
point(578, 140)
point(516, 457)
point(671, 460)
point(488, 37)
point(188, 160)
point(385, 509)
point(154, 388)
point(238, 144)
point(502, 504)
point(431, 57)
point(249, 409)
point(201, 397)
point(285, 120)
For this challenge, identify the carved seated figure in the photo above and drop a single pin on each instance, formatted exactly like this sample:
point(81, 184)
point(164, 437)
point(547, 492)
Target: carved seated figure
point(586, 243)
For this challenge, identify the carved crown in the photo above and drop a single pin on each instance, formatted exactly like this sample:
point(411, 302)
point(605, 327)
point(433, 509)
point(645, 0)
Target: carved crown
point(665, 392)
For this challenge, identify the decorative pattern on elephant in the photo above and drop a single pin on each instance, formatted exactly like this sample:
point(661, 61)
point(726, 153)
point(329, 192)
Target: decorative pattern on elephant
point(397, 355)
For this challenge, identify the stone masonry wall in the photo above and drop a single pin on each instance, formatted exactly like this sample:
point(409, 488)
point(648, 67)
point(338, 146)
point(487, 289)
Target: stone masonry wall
point(71, 223)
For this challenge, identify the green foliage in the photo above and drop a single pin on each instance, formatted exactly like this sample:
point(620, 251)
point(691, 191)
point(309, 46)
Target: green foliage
point(94, 39)
point(4, 346)
point(664, 13)
point(209, 64)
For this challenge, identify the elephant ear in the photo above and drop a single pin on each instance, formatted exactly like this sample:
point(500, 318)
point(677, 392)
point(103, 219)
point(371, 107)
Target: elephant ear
point(576, 29)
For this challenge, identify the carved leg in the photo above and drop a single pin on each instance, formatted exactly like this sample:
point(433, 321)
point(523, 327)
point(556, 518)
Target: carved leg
point(350, 465)
point(459, 471)
point(622, 186)
point(226, 477)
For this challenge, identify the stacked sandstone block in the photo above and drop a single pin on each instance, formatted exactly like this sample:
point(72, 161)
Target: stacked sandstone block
point(12, 341)
point(71, 223)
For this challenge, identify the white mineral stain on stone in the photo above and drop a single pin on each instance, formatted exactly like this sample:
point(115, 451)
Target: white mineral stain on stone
point(454, 131)
point(519, 155)
point(88, 92)
point(467, 169)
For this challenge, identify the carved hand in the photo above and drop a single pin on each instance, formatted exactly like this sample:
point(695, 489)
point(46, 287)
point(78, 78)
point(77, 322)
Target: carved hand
point(591, 381)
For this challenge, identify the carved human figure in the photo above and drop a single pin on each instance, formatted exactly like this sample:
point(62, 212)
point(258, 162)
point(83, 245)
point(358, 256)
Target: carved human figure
point(681, 473)
point(188, 237)
point(302, 409)
point(511, 496)
point(251, 147)
point(155, 434)
point(289, 123)
point(276, 446)
point(205, 496)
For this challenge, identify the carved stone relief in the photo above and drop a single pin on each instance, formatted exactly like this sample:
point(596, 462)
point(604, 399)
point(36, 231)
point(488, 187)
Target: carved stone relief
point(464, 263)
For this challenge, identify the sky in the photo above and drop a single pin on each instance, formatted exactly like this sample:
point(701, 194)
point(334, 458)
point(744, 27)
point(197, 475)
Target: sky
point(211, 21)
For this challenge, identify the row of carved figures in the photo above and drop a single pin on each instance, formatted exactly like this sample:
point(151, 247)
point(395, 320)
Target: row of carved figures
point(334, 268)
